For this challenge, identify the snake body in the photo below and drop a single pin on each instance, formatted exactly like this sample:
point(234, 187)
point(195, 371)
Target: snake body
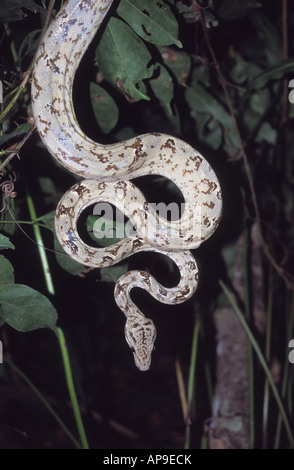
point(108, 169)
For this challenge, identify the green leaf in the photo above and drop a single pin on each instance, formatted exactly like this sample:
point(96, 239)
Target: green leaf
point(273, 73)
point(179, 62)
point(7, 222)
point(124, 60)
point(11, 10)
point(260, 101)
point(106, 231)
point(29, 43)
point(6, 271)
point(113, 273)
point(152, 20)
point(267, 133)
point(5, 242)
point(22, 129)
point(205, 108)
point(242, 71)
point(48, 220)
point(2, 321)
point(270, 37)
point(235, 9)
point(25, 309)
point(163, 88)
point(64, 260)
point(104, 108)
point(6, 277)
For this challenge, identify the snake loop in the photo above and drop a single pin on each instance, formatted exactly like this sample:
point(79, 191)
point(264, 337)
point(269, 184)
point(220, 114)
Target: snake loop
point(107, 170)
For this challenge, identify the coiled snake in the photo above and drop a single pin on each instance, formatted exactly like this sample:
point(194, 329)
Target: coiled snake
point(107, 170)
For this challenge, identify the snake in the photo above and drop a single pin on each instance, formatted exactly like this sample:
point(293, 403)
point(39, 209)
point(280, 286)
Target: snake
point(107, 171)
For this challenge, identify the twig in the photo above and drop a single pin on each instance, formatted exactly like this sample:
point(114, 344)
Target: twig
point(17, 148)
point(181, 387)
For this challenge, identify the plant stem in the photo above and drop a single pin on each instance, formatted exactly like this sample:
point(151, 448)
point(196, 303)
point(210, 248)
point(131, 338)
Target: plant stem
point(58, 330)
point(17, 148)
point(181, 387)
point(12, 47)
point(44, 401)
point(261, 359)
point(40, 244)
point(191, 381)
point(71, 389)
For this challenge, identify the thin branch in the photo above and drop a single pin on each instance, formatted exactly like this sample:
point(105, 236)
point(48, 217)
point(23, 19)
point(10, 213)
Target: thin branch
point(17, 148)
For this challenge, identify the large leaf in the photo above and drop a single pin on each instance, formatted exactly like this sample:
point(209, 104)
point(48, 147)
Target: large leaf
point(6, 276)
point(5, 242)
point(152, 20)
point(25, 309)
point(104, 108)
point(6, 271)
point(124, 60)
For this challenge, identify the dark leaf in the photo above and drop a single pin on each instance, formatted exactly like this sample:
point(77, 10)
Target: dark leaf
point(152, 20)
point(25, 309)
point(124, 60)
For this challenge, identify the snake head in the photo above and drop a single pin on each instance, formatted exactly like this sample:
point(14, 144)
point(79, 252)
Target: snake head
point(140, 333)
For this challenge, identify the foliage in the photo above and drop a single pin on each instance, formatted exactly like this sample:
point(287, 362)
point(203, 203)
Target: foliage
point(217, 76)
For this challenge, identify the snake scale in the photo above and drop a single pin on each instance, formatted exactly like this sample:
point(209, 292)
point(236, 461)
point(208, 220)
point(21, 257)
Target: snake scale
point(107, 171)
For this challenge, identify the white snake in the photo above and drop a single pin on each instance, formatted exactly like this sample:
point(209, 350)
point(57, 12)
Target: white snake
point(107, 170)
